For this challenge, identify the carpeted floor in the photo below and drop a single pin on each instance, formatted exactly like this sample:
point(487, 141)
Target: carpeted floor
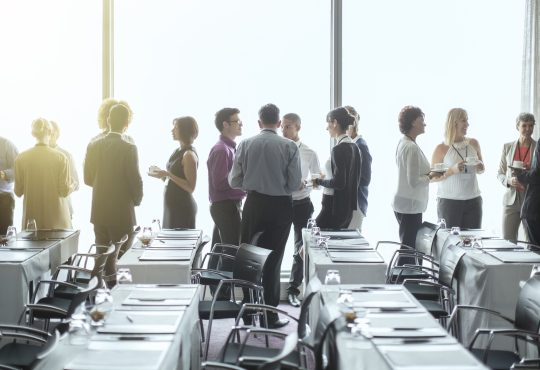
point(221, 329)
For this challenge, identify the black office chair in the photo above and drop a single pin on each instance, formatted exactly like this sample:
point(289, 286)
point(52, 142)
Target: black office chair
point(52, 307)
point(248, 269)
point(26, 346)
point(524, 329)
point(426, 237)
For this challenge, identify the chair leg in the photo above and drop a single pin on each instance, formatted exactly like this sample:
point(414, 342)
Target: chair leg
point(202, 330)
point(208, 332)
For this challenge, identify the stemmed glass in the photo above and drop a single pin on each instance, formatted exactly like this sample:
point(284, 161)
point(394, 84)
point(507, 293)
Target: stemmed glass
point(442, 223)
point(11, 234)
point(332, 277)
point(311, 223)
point(102, 307)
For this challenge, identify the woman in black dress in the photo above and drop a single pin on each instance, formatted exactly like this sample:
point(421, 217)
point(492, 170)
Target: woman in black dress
point(179, 207)
point(343, 170)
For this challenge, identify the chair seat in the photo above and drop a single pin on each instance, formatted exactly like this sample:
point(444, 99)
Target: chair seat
point(434, 308)
point(222, 309)
point(19, 354)
point(497, 359)
point(406, 273)
point(212, 278)
point(233, 349)
point(61, 303)
point(426, 292)
point(68, 292)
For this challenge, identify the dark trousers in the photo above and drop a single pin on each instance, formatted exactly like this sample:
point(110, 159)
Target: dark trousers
point(466, 214)
point(273, 216)
point(328, 219)
point(302, 211)
point(409, 224)
point(7, 205)
point(105, 235)
point(227, 219)
point(532, 229)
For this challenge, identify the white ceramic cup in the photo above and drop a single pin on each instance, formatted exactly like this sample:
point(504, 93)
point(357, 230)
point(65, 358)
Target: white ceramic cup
point(438, 166)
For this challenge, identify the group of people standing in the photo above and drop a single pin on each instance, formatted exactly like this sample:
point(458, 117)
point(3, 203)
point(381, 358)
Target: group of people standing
point(455, 164)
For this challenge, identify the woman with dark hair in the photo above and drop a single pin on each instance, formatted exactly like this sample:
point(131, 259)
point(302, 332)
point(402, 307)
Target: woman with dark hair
point(179, 207)
point(414, 175)
point(515, 154)
point(340, 194)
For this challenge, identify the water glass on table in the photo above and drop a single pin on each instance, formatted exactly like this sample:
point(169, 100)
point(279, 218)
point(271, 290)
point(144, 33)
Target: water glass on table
point(123, 276)
point(332, 277)
point(31, 226)
point(11, 234)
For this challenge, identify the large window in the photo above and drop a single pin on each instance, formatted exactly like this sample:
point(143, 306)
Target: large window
point(51, 67)
point(436, 55)
point(176, 58)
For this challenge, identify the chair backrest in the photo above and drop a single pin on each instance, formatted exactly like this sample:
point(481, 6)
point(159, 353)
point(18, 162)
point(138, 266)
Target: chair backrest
point(274, 363)
point(425, 237)
point(104, 253)
point(256, 237)
point(82, 295)
point(198, 251)
point(218, 262)
point(312, 289)
point(249, 263)
point(450, 257)
point(528, 305)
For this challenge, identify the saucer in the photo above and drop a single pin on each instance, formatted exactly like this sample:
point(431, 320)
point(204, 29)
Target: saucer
point(438, 170)
point(517, 168)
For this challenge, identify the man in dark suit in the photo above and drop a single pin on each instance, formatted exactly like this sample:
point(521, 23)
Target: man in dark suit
point(530, 211)
point(111, 168)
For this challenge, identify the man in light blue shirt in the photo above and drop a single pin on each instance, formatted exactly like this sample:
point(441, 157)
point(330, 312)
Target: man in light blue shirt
point(8, 152)
point(267, 167)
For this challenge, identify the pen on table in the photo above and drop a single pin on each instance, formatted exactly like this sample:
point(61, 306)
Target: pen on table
point(129, 319)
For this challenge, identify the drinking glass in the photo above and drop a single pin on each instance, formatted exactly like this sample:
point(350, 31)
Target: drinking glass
point(123, 276)
point(315, 232)
point(11, 234)
point(315, 176)
point(102, 307)
point(442, 223)
point(332, 277)
point(455, 230)
point(156, 225)
point(311, 223)
point(79, 330)
point(31, 225)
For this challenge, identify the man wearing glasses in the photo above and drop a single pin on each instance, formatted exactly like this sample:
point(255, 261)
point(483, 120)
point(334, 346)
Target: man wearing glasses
point(267, 166)
point(225, 201)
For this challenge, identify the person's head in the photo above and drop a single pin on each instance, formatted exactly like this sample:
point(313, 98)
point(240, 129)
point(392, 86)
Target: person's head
point(118, 118)
point(338, 121)
point(456, 126)
point(352, 130)
point(290, 125)
point(228, 123)
point(525, 125)
point(55, 134)
point(41, 130)
point(411, 121)
point(185, 130)
point(269, 116)
point(105, 108)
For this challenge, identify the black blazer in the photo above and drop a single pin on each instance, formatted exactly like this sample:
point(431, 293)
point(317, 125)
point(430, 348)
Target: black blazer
point(346, 170)
point(111, 168)
point(531, 204)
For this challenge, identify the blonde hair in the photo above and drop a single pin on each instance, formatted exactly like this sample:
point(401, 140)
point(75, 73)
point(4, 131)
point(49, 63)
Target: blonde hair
point(454, 116)
point(105, 108)
point(41, 128)
point(55, 133)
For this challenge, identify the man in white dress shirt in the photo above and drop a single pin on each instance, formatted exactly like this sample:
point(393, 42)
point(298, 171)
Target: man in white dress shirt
point(302, 206)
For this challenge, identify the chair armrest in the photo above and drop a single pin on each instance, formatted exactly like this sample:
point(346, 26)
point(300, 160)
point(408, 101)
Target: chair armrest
point(219, 255)
point(220, 365)
point(74, 268)
point(460, 307)
point(393, 243)
point(13, 328)
point(45, 308)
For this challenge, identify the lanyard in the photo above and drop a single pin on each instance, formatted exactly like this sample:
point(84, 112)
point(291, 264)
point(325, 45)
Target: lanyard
point(466, 152)
point(519, 152)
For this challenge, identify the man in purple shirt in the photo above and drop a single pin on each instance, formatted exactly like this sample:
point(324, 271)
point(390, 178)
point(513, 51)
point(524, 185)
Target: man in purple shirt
point(225, 202)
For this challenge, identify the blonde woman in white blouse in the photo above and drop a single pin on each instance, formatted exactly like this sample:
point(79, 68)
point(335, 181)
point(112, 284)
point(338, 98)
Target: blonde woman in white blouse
point(458, 197)
point(414, 175)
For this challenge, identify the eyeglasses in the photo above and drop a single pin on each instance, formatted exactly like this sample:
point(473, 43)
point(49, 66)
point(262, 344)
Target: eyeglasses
point(239, 121)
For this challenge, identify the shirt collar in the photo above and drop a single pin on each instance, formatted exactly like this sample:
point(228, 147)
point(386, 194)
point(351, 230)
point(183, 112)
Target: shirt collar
point(227, 141)
point(341, 138)
point(271, 130)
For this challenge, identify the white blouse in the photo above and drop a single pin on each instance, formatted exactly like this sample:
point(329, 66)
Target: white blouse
point(413, 182)
point(462, 185)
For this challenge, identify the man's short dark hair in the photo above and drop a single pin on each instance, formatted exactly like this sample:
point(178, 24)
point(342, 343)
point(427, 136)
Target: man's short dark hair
point(269, 114)
point(293, 117)
point(223, 115)
point(118, 117)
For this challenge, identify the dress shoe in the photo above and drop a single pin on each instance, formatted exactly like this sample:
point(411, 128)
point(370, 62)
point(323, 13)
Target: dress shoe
point(293, 300)
point(278, 324)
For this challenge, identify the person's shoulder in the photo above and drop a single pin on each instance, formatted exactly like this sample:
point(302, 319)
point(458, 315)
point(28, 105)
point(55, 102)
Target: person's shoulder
point(442, 147)
point(474, 142)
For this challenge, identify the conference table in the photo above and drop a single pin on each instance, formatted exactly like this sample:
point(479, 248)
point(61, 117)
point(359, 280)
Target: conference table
point(151, 327)
point(25, 261)
point(488, 274)
point(167, 260)
point(348, 252)
point(393, 332)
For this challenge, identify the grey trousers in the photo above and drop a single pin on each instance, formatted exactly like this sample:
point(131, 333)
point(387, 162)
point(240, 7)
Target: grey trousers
point(466, 214)
point(511, 218)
